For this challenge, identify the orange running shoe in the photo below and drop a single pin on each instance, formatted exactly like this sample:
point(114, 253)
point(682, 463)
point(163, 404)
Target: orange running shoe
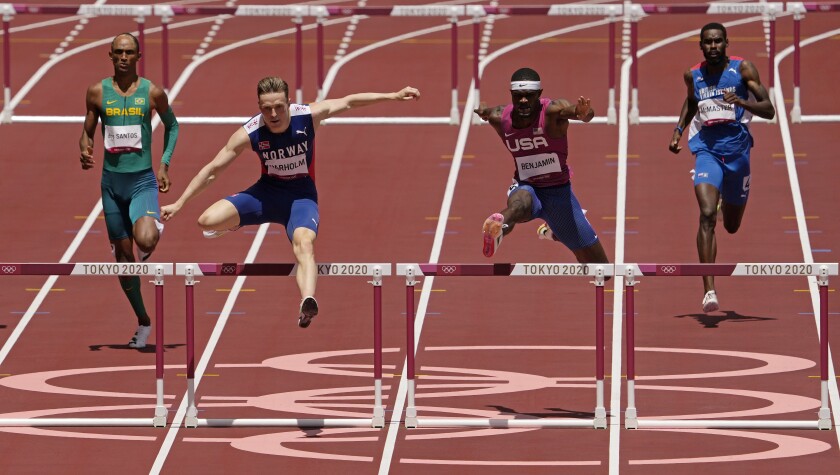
point(493, 233)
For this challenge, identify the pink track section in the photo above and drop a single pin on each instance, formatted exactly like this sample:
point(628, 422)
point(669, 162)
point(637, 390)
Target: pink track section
point(494, 347)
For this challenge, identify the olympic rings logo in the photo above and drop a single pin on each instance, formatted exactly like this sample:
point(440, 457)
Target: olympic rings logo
point(9, 269)
point(449, 269)
point(228, 269)
point(668, 269)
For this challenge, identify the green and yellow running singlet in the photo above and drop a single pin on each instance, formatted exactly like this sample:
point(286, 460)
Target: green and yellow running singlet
point(126, 128)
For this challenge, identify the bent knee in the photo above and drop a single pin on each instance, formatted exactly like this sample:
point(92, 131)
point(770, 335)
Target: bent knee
point(732, 228)
point(303, 241)
point(206, 221)
point(708, 220)
point(146, 238)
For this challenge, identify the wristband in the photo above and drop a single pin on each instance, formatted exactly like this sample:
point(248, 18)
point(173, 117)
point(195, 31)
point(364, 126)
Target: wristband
point(678, 129)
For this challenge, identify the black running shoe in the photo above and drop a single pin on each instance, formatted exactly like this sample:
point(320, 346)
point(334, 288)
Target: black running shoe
point(308, 311)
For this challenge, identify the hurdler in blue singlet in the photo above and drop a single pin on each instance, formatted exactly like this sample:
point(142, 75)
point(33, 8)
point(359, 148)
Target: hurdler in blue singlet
point(719, 127)
point(719, 134)
point(285, 193)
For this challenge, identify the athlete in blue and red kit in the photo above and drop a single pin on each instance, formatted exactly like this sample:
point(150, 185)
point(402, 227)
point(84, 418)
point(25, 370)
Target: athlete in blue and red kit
point(282, 136)
point(534, 130)
point(723, 93)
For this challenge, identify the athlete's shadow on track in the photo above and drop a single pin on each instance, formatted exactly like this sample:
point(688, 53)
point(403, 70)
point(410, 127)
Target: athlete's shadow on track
point(714, 320)
point(556, 412)
point(147, 349)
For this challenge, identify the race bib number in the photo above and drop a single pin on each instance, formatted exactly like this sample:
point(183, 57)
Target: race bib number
point(540, 164)
point(287, 167)
point(715, 111)
point(123, 138)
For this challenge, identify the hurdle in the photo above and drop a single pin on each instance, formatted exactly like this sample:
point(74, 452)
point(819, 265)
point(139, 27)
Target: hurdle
point(296, 14)
point(769, 11)
point(597, 271)
point(103, 269)
point(798, 10)
point(610, 13)
point(820, 271)
point(374, 270)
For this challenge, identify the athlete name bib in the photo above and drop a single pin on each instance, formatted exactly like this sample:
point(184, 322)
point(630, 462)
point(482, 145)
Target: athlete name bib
point(540, 164)
point(715, 111)
point(288, 167)
point(123, 138)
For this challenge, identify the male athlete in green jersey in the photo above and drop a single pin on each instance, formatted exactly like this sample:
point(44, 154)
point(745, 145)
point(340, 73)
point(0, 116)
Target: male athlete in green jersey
point(124, 103)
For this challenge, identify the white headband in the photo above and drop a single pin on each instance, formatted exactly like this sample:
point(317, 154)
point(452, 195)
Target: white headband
point(525, 86)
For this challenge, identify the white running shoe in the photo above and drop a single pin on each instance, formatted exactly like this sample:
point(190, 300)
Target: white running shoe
point(214, 234)
point(308, 311)
point(140, 336)
point(710, 302)
point(692, 173)
point(493, 234)
point(144, 256)
point(219, 232)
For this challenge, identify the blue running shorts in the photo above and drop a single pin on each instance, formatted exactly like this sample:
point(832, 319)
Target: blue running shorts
point(558, 206)
point(730, 175)
point(293, 203)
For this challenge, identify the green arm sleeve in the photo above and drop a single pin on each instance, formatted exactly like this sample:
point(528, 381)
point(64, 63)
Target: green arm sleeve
point(170, 124)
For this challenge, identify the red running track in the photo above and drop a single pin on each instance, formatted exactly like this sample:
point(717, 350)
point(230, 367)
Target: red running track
point(381, 193)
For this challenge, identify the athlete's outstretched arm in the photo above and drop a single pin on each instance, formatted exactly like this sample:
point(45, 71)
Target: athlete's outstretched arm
point(493, 115)
point(329, 107)
point(689, 110)
point(564, 109)
point(237, 143)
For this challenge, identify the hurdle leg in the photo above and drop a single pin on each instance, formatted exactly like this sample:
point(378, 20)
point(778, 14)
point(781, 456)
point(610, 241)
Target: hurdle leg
point(378, 420)
point(410, 408)
point(631, 420)
point(6, 115)
point(191, 417)
point(600, 421)
point(453, 111)
point(612, 117)
point(824, 413)
point(634, 67)
point(160, 410)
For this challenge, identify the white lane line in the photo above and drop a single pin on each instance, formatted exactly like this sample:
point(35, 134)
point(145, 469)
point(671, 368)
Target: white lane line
point(48, 285)
point(615, 413)
point(178, 419)
point(801, 223)
point(428, 282)
point(181, 412)
point(440, 231)
point(89, 221)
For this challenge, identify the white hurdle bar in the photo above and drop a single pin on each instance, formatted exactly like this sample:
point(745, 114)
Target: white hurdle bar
point(598, 271)
point(375, 270)
point(100, 269)
point(819, 270)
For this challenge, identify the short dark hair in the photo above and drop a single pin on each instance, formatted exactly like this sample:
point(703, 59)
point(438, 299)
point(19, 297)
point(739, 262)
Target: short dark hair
point(525, 74)
point(133, 38)
point(713, 26)
point(272, 84)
